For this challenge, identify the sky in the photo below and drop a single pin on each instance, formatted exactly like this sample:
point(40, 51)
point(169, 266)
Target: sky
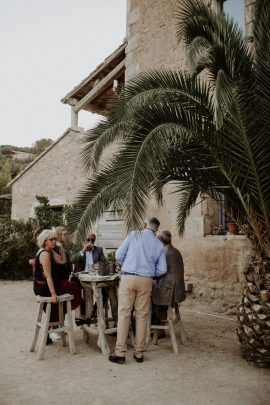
point(236, 9)
point(47, 47)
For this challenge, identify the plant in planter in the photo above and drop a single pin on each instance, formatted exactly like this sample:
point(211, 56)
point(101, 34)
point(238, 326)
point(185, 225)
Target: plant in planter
point(218, 230)
point(113, 264)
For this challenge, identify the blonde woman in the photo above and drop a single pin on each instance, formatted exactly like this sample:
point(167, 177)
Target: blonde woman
point(64, 270)
point(46, 279)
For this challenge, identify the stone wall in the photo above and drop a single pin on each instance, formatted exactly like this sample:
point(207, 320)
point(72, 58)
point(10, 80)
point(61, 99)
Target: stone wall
point(249, 12)
point(213, 264)
point(57, 174)
point(151, 36)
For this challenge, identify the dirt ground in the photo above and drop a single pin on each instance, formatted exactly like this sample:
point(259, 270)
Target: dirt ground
point(209, 370)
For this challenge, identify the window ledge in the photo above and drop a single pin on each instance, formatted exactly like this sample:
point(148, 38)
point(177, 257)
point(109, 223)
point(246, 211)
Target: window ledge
point(225, 237)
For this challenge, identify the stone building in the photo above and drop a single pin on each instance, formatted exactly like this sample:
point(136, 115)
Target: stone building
point(213, 263)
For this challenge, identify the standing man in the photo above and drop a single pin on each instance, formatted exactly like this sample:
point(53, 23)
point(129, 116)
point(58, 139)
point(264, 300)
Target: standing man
point(170, 288)
point(142, 257)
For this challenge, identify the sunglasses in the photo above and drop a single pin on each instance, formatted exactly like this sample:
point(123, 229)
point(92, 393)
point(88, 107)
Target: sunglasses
point(51, 239)
point(91, 240)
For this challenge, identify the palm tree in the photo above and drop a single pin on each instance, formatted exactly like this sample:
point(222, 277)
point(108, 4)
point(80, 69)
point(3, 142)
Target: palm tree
point(207, 131)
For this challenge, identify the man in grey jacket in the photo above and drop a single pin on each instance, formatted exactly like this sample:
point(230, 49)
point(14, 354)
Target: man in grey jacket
point(169, 289)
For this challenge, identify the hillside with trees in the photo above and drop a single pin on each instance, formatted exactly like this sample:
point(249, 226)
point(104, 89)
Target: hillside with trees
point(13, 159)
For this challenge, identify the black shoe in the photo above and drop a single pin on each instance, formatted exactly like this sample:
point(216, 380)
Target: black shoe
point(117, 359)
point(80, 321)
point(138, 359)
point(49, 340)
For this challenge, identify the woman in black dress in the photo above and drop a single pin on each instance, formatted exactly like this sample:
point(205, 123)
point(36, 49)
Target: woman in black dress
point(46, 278)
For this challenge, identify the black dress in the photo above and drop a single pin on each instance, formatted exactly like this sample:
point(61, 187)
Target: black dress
point(40, 283)
point(61, 287)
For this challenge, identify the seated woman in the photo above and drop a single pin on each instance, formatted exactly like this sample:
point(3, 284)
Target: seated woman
point(46, 279)
point(64, 270)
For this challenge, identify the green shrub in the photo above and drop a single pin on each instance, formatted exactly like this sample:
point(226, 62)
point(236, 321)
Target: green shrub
point(16, 248)
point(17, 239)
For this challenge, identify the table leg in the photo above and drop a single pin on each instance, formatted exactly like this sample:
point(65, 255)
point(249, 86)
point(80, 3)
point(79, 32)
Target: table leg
point(102, 341)
point(113, 302)
point(148, 327)
point(89, 302)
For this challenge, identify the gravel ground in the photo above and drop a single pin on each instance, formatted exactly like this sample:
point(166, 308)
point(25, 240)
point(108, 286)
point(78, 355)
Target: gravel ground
point(209, 370)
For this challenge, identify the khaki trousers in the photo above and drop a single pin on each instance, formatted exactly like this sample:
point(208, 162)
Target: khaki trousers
point(133, 291)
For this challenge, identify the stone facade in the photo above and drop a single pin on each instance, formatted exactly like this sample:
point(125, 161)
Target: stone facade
point(249, 11)
point(151, 36)
point(56, 174)
point(213, 264)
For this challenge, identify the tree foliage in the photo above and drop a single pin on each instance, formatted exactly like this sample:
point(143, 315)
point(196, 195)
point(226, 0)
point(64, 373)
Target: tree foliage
point(205, 131)
point(18, 238)
point(10, 166)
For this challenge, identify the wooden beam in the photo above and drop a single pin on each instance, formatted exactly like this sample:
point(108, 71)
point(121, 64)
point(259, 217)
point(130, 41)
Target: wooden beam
point(104, 65)
point(101, 86)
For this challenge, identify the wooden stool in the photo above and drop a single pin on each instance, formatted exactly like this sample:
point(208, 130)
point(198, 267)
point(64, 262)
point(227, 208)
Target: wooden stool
point(169, 326)
point(61, 328)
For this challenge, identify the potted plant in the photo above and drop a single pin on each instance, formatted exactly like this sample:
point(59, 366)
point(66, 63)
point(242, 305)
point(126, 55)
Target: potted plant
point(112, 264)
point(218, 230)
point(232, 228)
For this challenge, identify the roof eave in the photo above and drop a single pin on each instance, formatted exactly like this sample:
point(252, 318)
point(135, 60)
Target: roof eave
point(67, 98)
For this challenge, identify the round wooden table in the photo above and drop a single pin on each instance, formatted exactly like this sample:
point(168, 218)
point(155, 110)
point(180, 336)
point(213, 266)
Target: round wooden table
point(92, 285)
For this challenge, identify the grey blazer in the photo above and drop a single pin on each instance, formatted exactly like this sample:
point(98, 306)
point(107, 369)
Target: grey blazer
point(170, 288)
point(80, 260)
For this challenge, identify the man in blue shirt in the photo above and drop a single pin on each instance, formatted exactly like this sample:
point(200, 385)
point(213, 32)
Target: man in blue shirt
point(142, 257)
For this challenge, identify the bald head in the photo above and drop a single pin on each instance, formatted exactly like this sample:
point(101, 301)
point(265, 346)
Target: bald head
point(165, 237)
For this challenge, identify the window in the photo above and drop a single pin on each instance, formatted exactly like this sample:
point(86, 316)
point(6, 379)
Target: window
point(57, 208)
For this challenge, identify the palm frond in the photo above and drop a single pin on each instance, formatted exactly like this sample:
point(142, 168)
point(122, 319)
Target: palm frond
point(206, 137)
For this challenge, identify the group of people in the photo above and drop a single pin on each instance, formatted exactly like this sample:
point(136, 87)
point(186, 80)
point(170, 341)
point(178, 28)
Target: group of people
point(150, 268)
point(54, 265)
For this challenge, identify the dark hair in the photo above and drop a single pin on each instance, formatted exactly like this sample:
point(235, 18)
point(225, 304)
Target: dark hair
point(152, 223)
point(165, 236)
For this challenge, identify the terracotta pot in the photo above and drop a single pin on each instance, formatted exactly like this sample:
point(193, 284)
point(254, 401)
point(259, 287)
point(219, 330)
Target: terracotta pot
point(232, 228)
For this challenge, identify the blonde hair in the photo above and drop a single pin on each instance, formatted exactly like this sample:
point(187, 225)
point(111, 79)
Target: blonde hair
point(44, 235)
point(59, 230)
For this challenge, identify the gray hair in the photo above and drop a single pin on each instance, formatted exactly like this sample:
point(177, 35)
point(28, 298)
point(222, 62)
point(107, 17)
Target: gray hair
point(152, 223)
point(44, 235)
point(165, 236)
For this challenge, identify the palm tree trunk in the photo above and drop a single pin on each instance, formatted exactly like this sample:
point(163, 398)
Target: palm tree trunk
point(253, 323)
